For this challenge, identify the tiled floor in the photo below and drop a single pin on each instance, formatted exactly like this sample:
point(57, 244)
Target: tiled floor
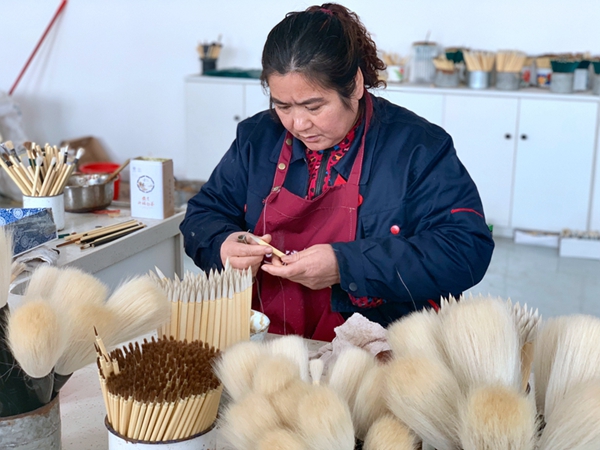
point(539, 277)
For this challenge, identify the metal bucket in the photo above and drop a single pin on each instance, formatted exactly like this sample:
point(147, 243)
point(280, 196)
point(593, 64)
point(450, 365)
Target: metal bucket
point(479, 79)
point(88, 192)
point(596, 90)
point(446, 79)
point(561, 83)
point(508, 81)
point(207, 440)
point(35, 430)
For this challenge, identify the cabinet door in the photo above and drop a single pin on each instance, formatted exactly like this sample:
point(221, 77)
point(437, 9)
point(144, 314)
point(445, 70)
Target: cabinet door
point(484, 130)
point(553, 168)
point(256, 99)
point(213, 111)
point(428, 106)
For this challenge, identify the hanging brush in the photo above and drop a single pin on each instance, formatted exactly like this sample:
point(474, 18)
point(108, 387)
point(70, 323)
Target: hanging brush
point(498, 418)
point(236, 366)
point(481, 343)
point(577, 358)
point(424, 394)
point(574, 423)
point(388, 433)
point(415, 334)
point(15, 397)
point(37, 337)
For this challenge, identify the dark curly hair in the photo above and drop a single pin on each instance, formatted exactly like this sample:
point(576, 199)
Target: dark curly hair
point(327, 44)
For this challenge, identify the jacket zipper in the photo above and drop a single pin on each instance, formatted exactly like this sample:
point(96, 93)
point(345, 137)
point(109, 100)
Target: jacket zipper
point(321, 173)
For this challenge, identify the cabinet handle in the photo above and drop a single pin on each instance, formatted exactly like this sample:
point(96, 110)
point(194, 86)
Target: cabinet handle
point(508, 136)
point(524, 137)
point(237, 118)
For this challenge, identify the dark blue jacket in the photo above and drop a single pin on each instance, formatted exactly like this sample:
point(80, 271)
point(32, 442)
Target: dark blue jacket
point(411, 178)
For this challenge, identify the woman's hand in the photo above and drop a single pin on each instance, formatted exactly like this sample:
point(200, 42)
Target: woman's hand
point(242, 256)
point(316, 267)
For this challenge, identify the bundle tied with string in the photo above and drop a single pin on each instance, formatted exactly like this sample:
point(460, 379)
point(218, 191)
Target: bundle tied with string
point(160, 391)
point(213, 308)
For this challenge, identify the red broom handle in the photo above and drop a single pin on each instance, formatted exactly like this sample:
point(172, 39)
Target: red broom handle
point(56, 14)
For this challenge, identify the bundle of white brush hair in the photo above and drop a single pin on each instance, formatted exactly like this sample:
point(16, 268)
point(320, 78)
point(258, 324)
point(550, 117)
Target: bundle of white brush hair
point(236, 365)
point(481, 344)
point(280, 439)
point(415, 334)
point(348, 370)
point(295, 348)
point(423, 394)
point(370, 403)
point(273, 374)
point(577, 358)
point(498, 418)
point(574, 423)
point(388, 433)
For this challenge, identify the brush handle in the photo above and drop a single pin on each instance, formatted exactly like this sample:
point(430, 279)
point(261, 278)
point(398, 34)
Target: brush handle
point(41, 389)
point(60, 381)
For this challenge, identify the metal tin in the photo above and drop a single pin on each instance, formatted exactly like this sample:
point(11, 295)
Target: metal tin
point(561, 83)
point(207, 440)
point(479, 79)
point(508, 81)
point(35, 430)
point(596, 90)
point(446, 79)
point(88, 192)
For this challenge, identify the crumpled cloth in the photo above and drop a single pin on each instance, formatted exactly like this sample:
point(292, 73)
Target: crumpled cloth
point(25, 264)
point(357, 331)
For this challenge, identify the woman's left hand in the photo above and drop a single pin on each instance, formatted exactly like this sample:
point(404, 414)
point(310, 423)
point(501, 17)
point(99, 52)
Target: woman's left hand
point(316, 267)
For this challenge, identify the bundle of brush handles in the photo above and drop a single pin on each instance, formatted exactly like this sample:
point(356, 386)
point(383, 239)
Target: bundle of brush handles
point(213, 308)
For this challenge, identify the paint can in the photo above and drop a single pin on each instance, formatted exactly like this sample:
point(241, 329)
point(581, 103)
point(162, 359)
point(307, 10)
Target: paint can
point(206, 440)
point(35, 430)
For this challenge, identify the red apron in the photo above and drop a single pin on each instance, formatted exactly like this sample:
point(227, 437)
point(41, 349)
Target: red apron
point(296, 223)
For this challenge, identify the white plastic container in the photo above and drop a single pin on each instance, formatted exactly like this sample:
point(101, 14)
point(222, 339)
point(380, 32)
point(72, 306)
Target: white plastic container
point(56, 203)
point(206, 440)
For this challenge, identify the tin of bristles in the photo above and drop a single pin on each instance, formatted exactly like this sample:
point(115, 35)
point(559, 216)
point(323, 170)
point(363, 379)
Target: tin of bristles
point(162, 392)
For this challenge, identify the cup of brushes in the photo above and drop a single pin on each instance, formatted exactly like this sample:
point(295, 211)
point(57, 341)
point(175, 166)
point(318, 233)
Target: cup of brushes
point(41, 175)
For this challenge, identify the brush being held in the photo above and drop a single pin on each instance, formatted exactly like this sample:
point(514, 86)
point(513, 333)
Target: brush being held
point(388, 433)
point(498, 418)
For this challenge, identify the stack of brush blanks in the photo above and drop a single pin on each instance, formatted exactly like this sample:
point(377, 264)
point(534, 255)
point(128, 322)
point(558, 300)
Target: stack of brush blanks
point(214, 308)
point(51, 333)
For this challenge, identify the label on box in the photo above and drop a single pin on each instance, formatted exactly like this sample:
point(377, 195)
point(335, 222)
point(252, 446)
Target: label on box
point(152, 188)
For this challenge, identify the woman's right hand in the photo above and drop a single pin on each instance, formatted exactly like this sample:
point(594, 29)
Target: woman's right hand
point(241, 255)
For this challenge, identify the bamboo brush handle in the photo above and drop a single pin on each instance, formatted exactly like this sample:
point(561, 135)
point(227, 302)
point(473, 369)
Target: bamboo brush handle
point(116, 172)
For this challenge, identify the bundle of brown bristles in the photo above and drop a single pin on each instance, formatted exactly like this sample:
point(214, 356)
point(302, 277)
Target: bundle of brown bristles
point(160, 391)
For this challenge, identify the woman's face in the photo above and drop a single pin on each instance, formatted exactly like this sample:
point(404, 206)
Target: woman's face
point(313, 114)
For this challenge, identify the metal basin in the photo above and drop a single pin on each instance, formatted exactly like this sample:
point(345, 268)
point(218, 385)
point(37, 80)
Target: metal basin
point(87, 192)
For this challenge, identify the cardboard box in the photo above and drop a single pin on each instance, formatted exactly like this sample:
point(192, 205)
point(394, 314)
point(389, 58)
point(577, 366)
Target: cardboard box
point(573, 247)
point(152, 188)
point(94, 150)
point(30, 227)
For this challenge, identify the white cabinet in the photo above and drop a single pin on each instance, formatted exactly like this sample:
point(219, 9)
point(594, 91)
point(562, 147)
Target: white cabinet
point(214, 107)
point(484, 131)
point(430, 106)
point(553, 170)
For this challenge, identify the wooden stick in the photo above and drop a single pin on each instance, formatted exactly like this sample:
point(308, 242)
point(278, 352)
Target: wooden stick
point(111, 237)
point(101, 234)
point(102, 230)
point(13, 177)
point(174, 421)
point(140, 420)
point(261, 242)
point(151, 426)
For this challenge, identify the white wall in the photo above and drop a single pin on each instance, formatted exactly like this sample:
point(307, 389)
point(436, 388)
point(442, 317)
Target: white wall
point(114, 68)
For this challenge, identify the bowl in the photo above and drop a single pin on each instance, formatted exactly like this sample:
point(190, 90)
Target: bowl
point(88, 192)
point(259, 325)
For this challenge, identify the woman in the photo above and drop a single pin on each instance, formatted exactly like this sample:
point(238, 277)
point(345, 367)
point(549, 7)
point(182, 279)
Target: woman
point(370, 201)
